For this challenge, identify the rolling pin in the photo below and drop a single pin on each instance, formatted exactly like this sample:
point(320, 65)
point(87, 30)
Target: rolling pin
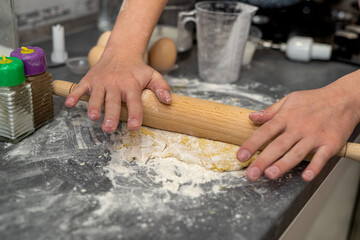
point(196, 117)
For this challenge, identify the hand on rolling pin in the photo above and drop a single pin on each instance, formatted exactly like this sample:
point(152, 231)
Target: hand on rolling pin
point(120, 75)
point(315, 121)
point(112, 81)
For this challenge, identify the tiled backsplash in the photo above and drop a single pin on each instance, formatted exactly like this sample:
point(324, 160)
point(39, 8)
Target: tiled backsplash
point(35, 19)
point(44, 12)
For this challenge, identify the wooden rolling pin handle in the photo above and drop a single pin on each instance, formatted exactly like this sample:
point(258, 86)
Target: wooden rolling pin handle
point(198, 118)
point(350, 150)
point(64, 88)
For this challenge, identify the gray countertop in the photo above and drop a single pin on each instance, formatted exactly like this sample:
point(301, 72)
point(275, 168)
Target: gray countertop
point(66, 181)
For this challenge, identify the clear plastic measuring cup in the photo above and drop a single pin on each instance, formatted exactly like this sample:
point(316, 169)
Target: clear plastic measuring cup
point(222, 30)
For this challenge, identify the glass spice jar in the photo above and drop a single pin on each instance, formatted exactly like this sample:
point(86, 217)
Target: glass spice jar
point(34, 60)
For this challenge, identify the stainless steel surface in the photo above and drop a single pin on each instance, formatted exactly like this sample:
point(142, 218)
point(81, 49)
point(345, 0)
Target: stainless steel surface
point(16, 112)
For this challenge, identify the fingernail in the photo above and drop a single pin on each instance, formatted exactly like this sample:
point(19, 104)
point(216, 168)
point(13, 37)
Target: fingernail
point(133, 123)
point(163, 95)
point(272, 172)
point(109, 123)
point(69, 101)
point(167, 96)
point(257, 114)
point(252, 173)
point(93, 115)
point(308, 175)
point(243, 155)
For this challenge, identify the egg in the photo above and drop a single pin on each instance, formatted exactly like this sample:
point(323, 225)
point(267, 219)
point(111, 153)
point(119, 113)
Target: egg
point(103, 38)
point(95, 54)
point(162, 54)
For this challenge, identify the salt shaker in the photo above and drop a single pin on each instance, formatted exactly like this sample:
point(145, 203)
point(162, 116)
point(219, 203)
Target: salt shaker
point(16, 112)
point(34, 60)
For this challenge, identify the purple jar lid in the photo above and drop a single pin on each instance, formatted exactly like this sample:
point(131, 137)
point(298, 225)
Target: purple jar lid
point(34, 59)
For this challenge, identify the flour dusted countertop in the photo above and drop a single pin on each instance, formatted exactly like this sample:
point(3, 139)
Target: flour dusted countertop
point(67, 181)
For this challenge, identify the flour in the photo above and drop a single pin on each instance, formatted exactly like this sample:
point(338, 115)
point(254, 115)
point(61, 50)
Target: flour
point(148, 143)
point(144, 174)
point(157, 170)
point(73, 167)
point(179, 167)
point(171, 177)
point(149, 190)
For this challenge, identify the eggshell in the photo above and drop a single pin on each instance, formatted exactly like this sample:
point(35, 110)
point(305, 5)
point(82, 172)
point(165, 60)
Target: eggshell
point(103, 38)
point(162, 54)
point(95, 54)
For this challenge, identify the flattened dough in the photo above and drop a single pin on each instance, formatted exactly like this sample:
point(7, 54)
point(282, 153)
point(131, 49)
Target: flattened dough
point(148, 143)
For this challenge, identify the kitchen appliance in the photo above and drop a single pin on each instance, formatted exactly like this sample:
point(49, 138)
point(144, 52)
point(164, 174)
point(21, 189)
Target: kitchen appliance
point(333, 23)
point(302, 18)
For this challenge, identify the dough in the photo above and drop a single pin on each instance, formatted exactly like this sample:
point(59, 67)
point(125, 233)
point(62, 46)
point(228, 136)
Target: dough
point(148, 143)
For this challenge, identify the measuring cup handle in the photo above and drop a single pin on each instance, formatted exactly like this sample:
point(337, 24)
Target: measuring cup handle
point(184, 40)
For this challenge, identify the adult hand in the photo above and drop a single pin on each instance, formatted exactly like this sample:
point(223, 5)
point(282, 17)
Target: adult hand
point(116, 79)
point(315, 121)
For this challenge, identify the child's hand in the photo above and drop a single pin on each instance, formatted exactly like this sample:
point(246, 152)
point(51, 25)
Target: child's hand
point(315, 121)
point(115, 79)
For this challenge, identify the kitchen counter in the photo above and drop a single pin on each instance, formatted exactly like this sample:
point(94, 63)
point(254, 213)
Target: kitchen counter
point(66, 181)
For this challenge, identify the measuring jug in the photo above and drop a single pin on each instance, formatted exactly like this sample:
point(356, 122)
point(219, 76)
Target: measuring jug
point(222, 30)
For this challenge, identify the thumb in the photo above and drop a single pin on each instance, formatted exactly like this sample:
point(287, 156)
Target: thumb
point(160, 87)
point(266, 114)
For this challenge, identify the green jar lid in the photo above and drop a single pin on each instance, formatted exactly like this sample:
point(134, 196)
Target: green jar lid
point(11, 71)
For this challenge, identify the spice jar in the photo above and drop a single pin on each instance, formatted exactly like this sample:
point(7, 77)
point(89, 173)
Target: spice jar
point(16, 113)
point(34, 60)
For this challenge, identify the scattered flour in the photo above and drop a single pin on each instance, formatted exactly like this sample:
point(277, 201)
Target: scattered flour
point(142, 195)
point(162, 165)
point(161, 173)
point(172, 173)
point(148, 143)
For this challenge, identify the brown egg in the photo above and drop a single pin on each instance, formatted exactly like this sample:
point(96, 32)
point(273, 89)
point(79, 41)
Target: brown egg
point(162, 54)
point(103, 38)
point(95, 54)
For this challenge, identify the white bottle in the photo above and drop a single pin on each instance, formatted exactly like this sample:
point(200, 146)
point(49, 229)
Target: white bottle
point(59, 54)
point(304, 49)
